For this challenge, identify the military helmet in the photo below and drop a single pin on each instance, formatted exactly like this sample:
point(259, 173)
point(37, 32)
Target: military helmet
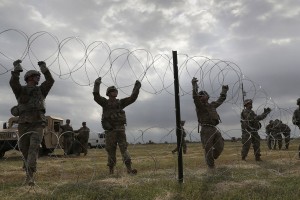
point(31, 73)
point(203, 93)
point(247, 101)
point(298, 101)
point(15, 111)
point(110, 89)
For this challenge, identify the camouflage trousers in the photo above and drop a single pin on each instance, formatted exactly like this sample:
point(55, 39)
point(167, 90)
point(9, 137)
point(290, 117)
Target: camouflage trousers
point(249, 138)
point(287, 138)
point(212, 142)
point(30, 138)
point(184, 146)
point(83, 145)
point(114, 138)
point(68, 140)
point(276, 138)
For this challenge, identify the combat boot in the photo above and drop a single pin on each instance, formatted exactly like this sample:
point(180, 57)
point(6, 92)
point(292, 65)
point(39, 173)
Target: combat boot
point(29, 178)
point(129, 169)
point(258, 159)
point(111, 170)
point(244, 158)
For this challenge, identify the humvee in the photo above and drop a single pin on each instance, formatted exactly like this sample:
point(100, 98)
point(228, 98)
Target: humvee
point(51, 140)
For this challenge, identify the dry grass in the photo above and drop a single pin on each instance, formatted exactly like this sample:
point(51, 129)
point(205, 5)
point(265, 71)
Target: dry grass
point(87, 177)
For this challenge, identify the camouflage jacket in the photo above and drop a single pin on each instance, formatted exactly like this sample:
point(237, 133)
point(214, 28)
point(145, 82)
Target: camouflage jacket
point(65, 128)
point(183, 132)
point(284, 129)
point(269, 129)
point(31, 98)
point(83, 133)
point(296, 117)
point(250, 120)
point(113, 109)
point(207, 112)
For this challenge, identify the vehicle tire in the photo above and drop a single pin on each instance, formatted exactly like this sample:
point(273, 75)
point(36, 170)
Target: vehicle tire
point(89, 145)
point(2, 153)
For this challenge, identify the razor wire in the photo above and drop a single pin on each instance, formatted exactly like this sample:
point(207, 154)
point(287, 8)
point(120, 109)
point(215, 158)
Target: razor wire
point(70, 59)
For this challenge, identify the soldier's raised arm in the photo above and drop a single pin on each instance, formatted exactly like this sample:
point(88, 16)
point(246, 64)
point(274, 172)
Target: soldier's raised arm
point(263, 115)
point(96, 92)
point(48, 83)
point(222, 96)
point(134, 95)
point(15, 78)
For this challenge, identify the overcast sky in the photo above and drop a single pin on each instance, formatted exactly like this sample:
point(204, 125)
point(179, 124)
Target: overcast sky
point(123, 41)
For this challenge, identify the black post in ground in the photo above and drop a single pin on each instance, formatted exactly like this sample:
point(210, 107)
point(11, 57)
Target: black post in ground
point(178, 118)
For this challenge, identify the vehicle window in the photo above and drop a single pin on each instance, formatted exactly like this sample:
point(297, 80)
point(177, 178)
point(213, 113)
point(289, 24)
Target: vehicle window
point(56, 126)
point(15, 125)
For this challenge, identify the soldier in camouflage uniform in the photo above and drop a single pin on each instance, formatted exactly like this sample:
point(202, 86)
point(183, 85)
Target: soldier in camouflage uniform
point(183, 143)
point(82, 136)
point(286, 131)
point(250, 125)
point(31, 111)
point(276, 137)
point(208, 118)
point(113, 122)
point(296, 118)
point(68, 136)
point(268, 132)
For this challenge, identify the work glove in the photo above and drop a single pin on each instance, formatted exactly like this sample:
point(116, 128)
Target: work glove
point(17, 66)
point(137, 84)
point(267, 110)
point(98, 80)
point(43, 66)
point(225, 88)
point(194, 81)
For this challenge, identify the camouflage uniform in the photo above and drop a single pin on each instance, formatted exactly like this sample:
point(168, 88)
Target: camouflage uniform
point(208, 118)
point(32, 118)
point(296, 118)
point(268, 132)
point(250, 125)
point(276, 136)
point(286, 131)
point(183, 142)
point(68, 135)
point(83, 137)
point(113, 122)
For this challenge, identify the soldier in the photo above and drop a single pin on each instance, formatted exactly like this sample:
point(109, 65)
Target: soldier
point(250, 125)
point(268, 132)
point(208, 118)
point(296, 115)
point(68, 136)
point(113, 122)
point(276, 136)
point(286, 131)
point(82, 136)
point(31, 111)
point(296, 118)
point(183, 143)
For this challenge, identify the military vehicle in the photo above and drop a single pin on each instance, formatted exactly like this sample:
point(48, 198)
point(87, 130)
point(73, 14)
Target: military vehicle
point(52, 137)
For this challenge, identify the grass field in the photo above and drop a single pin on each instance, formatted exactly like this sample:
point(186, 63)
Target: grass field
point(59, 177)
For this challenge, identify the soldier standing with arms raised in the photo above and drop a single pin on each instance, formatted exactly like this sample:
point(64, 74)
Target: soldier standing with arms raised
point(113, 122)
point(208, 118)
point(31, 111)
point(250, 126)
